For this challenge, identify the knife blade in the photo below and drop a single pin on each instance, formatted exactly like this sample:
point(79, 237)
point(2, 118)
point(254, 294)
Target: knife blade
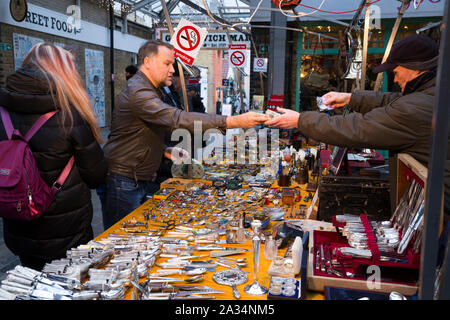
point(322, 259)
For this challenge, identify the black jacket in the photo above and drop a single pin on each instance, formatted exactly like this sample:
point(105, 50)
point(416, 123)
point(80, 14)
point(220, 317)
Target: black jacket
point(67, 222)
point(136, 142)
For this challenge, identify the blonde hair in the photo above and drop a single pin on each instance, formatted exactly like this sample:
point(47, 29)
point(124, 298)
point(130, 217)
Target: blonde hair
point(58, 66)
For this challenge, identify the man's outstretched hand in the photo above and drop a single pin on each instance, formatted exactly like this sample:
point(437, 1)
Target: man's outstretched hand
point(336, 99)
point(287, 120)
point(246, 120)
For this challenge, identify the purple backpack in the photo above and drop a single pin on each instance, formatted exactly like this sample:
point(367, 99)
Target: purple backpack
point(23, 194)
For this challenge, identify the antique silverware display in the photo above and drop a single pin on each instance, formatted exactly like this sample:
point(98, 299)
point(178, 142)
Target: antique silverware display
point(231, 278)
point(255, 288)
point(396, 296)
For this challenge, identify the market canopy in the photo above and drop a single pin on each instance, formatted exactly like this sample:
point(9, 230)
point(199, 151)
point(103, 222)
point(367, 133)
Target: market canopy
point(151, 11)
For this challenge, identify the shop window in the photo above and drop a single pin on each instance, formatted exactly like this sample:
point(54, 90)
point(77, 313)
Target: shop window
point(311, 41)
point(409, 29)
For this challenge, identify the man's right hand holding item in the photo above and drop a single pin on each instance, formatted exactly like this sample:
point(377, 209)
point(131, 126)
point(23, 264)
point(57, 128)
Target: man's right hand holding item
point(336, 99)
point(289, 118)
point(246, 120)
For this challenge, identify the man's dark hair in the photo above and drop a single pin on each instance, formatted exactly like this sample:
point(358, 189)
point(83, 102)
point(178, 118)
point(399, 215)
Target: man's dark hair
point(132, 69)
point(150, 48)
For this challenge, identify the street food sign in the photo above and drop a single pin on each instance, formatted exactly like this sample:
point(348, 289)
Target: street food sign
point(187, 40)
point(238, 55)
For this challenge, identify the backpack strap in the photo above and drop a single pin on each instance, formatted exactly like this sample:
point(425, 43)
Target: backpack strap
point(38, 124)
point(63, 176)
point(65, 173)
point(7, 122)
point(9, 128)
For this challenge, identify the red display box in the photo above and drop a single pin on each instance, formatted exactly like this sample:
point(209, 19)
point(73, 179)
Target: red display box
point(413, 260)
point(358, 272)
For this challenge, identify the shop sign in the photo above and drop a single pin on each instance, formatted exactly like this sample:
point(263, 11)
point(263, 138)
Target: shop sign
point(187, 41)
point(55, 23)
point(215, 40)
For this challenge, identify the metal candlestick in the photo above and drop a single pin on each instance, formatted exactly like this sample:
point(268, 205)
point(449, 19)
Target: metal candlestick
point(254, 288)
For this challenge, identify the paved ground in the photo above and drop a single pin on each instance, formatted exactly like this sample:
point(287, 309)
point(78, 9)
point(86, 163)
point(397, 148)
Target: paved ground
point(8, 260)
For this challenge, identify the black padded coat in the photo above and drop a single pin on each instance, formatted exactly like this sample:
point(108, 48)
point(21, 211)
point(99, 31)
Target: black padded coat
point(67, 222)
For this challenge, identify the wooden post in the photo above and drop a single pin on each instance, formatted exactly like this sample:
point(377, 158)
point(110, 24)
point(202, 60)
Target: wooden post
point(180, 68)
point(365, 46)
point(391, 42)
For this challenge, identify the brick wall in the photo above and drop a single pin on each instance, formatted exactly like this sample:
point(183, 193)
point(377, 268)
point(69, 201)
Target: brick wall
point(90, 12)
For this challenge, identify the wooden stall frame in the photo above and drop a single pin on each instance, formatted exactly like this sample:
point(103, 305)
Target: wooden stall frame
point(406, 161)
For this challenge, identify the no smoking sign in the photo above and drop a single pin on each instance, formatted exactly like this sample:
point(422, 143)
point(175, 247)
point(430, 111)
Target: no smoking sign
point(260, 65)
point(237, 58)
point(188, 38)
point(187, 41)
point(238, 55)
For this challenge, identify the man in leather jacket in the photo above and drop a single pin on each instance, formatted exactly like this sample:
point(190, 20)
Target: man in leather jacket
point(136, 142)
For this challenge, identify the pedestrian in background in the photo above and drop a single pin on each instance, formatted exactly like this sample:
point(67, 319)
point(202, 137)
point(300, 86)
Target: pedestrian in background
point(130, 71)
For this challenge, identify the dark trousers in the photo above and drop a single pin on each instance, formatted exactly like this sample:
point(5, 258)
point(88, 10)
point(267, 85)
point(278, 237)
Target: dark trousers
point(123, 195)
point(33, 263)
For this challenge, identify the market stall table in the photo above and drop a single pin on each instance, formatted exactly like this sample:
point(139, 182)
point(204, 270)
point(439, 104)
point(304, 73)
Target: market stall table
point(264, 264)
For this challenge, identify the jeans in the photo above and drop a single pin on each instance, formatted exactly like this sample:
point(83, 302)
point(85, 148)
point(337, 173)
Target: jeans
point(123, 195)
point(101, 192)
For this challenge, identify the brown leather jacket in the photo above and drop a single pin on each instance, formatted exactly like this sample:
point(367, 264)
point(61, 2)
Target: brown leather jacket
point(136, 142)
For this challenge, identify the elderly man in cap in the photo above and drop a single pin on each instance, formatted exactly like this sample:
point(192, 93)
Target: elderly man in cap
point(399, 122)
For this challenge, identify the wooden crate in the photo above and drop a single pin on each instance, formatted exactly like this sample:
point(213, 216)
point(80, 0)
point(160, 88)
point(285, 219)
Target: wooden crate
point(406, 161)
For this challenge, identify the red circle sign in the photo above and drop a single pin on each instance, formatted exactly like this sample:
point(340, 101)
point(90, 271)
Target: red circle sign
point(188, 38)
point(260, 63)
point(237, 58)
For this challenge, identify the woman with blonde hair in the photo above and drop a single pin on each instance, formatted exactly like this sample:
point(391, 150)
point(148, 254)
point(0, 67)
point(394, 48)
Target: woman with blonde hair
point(47, 81)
